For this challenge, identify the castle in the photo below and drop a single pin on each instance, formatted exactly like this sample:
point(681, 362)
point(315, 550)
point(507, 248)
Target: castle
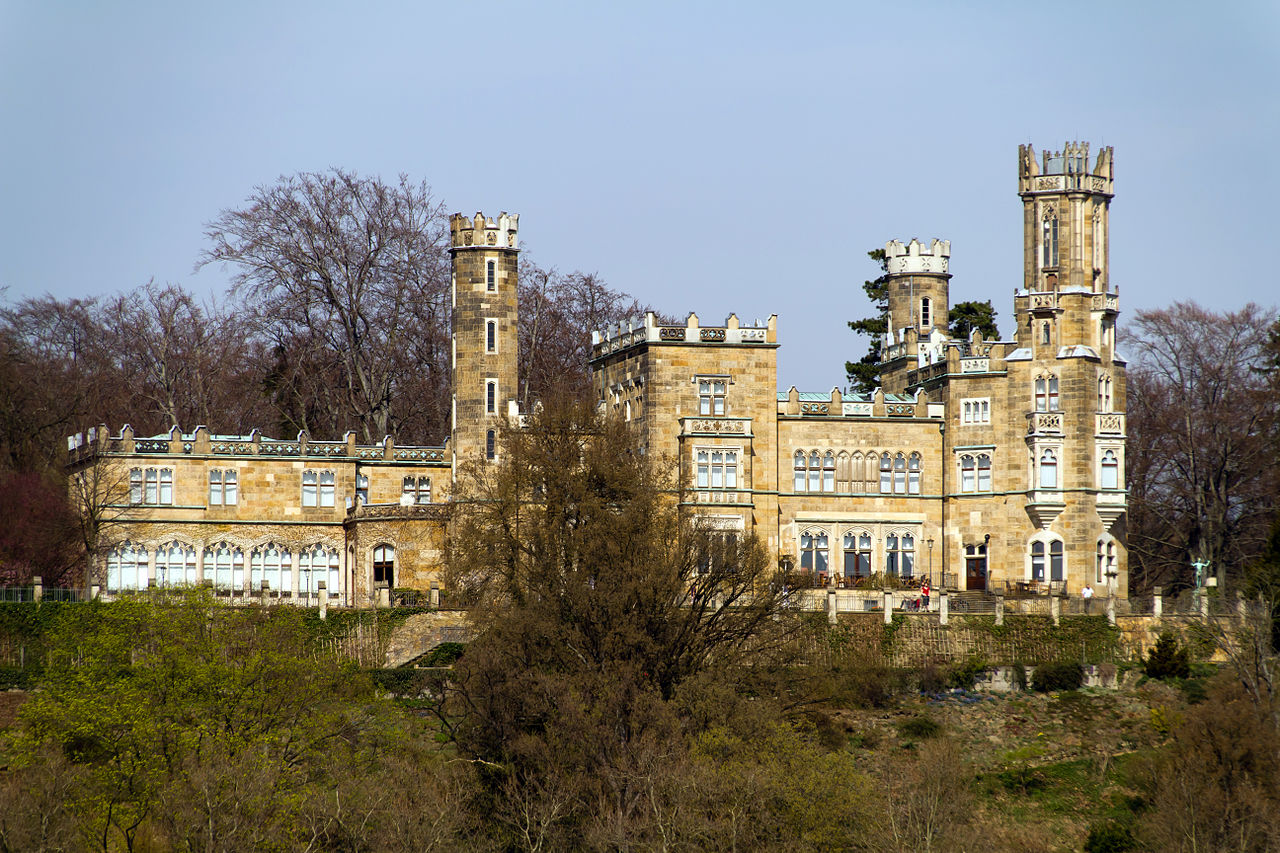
point(979, 464)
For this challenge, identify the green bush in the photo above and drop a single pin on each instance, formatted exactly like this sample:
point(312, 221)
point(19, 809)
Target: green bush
point(1058, 675)
point(1168, 659)
point(919, 728)
point(1109, 837)
point(445, 654)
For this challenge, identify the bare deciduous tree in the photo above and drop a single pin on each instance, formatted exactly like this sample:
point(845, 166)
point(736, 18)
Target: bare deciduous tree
point(353, 273)
point(1203, 463)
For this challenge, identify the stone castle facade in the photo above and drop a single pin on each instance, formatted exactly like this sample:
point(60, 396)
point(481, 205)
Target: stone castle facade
point(980, 464)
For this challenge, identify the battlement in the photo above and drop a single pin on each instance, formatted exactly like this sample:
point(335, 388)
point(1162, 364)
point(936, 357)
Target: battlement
point(912, 257)
point(1067, 169)
point(649, 330)
point(500, 233)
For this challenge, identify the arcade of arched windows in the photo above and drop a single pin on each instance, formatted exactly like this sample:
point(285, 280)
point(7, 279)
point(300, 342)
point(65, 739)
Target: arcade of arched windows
point(844, 553)
point(229, 567)
point(858, 472)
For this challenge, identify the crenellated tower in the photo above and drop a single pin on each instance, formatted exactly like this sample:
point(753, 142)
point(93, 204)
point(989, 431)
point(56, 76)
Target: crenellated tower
point(485, 376)
point(1065, 225)
point(918, 279)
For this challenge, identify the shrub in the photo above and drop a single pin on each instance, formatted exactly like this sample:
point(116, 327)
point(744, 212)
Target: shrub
point(1059, 675)
point(965, 674)
point(1168, 659)
point(445, 654)
point(1020, 676)
point(1109, 837)
point(921, 728)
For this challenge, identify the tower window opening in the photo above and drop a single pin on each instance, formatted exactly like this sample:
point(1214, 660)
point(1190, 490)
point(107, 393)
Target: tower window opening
point(924, 313)
point(490, 445)
point(491, 396)
point(1049, 242)
point(491, 336)
point(1045, 336)
point(1046, 394)
point(491, 276)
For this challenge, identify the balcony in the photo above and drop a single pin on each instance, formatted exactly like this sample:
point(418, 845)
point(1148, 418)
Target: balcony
point(1044, 423)
point(1110, 423)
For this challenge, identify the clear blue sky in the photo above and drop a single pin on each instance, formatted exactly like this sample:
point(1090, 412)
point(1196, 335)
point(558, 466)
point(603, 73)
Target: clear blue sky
point(712, 157)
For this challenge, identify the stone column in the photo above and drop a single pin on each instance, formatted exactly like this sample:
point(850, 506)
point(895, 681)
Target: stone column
point(263, 591)
point(1204, 604)
point(999, 608)
point(324, 600)
point(944, 606)
point(831, 605)
point(435, 595)
point(1242, 606)
point(1055, 608)
point(94, 591)
point(1111, 609)
point(384, 595)
point(888, 606)
point(37, 588)
point(1157, 602)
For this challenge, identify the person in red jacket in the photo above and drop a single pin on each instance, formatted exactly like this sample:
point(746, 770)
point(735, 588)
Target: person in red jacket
point(924, 594)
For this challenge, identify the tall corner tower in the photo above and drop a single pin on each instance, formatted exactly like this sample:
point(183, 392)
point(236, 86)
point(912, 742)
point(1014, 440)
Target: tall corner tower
point(1066, 206)
point(918, 278)
point(484, 253)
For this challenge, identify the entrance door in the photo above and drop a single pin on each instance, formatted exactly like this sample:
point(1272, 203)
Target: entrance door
point(975, 567)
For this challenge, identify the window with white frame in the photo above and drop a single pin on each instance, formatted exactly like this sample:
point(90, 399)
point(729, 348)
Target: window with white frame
point(1106, 564)
point(1047, 555)
point(273, 565)
point(1109, 470)
point(975, 411)
point(491, 336)
point(127, 567)
point(716, 468)
point(223, 487)
point(711, 395)
point(491, 396)
point(857, 554)
point(491, 275)
point(829, 472)
point(318, 488)
point(1046, 393)
point(1048, 469)
point(418, 489)
point(176, 565)
point(913, 474)
point(151, 486)
point(815, 553)
point(224, 565)
point(362, 488)
point(318, 563)
point(900, 555)
point(924, 312)
point(975, 472)
point(1104, 393)
point(886, 474)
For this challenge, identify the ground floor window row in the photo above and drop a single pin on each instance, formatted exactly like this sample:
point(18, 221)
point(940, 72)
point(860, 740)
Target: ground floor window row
point(870, 472)
point(228, 567)
point(851, 553)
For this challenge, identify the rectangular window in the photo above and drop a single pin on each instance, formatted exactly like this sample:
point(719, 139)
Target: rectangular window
point(310, 488)
point(711, 396)
point(491, 336)
point(326, 488)
point(362, 488)
point(222, 487)
point(716, 468)
point(491, 396)
point(491, 276)
point(153, 486)
point(975, 411)
point(418, 489)
point(491, 445)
